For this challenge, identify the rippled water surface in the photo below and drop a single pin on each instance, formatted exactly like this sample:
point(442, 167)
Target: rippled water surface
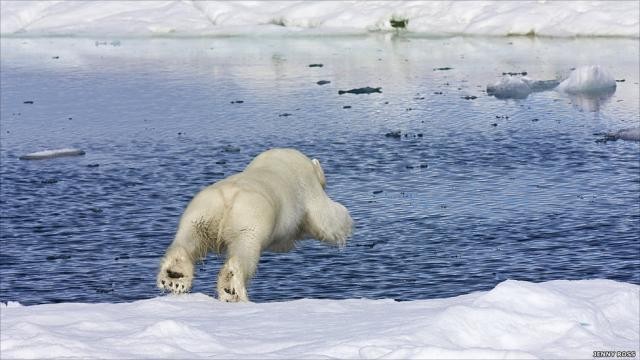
point(475, 191)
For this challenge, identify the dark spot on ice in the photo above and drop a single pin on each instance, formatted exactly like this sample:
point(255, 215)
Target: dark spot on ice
point(28, 102)
point(375, 192)
point(469, 97)
point(316, 65)
point(285, 114)
point(443, 68)
point(93, 165)
point(55, 57)
point(621, 80)
point(437, 92)
point(347, 107)
point(323, 82)
point(221, 162)
point(534, 120)
point(523, 73)
point(237, 101)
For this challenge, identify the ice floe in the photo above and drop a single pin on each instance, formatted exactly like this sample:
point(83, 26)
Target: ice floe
point(514, 87)
point(589, 79)
point(50, 154)
point(630, 134)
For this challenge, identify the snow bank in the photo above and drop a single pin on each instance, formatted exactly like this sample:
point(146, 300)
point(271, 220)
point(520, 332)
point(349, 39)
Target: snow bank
point(588, 79)
point(557, 319)
point(194, 18)
point(50, 154)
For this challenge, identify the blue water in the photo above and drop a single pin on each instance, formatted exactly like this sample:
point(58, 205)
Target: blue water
point(478, 191)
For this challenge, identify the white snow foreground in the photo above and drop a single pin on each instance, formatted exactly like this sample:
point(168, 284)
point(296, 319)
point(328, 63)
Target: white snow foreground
point(197, 18)
point(515, 320)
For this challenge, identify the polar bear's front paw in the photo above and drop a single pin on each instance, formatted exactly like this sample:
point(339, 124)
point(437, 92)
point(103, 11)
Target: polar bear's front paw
point(175, 276)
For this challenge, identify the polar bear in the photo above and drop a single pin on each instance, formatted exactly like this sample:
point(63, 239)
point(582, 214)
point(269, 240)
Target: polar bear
point(278, 198)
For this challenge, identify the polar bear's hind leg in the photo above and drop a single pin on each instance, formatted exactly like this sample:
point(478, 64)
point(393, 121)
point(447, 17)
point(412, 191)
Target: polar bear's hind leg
point(247, 230)
point(176, 271)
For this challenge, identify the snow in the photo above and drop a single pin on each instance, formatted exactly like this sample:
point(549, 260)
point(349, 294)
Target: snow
point(588, 79)
point(50, 154)
point(216, 18)
point(515, 320)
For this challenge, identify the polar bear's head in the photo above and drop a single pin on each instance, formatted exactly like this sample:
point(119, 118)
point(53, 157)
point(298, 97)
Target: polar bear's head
point(319, 172)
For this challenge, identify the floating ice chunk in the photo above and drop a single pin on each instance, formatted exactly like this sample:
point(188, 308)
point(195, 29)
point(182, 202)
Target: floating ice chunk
point(509, 87)
point(512, 87)
point(631, 134)
point(588, 79)
point(50, 154)
point(541, 85)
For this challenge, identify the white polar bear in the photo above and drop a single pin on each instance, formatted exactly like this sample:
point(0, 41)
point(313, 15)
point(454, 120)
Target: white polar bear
point(278, 198)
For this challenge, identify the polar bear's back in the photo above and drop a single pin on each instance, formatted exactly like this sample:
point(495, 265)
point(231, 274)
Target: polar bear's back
point(270, 195)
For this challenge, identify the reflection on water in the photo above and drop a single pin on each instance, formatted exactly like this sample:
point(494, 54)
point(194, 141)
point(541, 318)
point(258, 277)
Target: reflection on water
point(472, 191)
point(591, 102)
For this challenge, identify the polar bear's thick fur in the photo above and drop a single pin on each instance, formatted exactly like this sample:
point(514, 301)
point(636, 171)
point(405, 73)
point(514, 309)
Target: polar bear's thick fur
point(278, 198)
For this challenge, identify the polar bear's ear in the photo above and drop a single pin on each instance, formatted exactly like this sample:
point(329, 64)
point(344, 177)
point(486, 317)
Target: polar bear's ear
point(319, 172)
